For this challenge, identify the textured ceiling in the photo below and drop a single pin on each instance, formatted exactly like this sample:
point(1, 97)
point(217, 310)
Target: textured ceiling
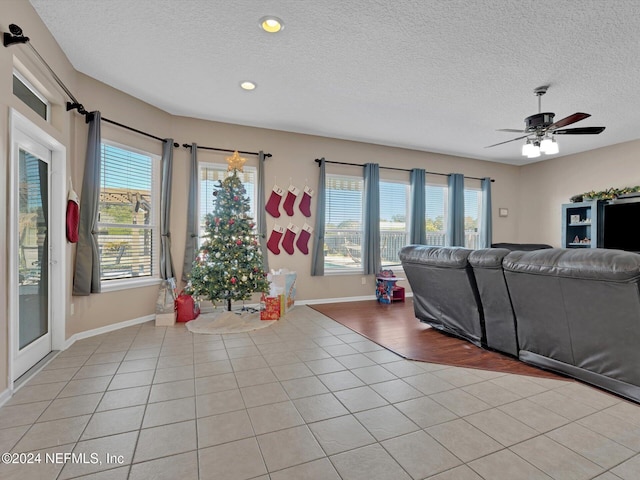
point(437, 75)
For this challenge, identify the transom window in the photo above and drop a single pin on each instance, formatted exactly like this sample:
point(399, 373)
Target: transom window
point(25, 91)
point(128, 218)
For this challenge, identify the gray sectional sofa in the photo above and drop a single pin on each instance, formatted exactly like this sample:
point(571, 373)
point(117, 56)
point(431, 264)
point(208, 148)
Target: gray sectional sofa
point(576, 312)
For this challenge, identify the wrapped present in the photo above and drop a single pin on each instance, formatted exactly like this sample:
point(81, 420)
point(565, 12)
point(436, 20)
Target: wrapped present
point(283, 283)
point(271, 310)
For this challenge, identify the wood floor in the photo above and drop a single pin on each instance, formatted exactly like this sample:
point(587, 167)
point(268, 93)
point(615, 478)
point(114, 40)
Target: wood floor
point(396, 328)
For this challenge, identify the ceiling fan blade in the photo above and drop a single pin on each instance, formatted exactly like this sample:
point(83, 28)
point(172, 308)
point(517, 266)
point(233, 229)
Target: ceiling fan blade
point(576, 117)
point(580, 131)
point(512, 140)
point(513, 130)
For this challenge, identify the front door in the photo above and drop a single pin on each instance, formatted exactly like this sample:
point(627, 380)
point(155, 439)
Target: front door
point(32, 307)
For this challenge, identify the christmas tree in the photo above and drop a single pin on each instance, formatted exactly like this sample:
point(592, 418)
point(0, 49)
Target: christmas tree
point(229, 264)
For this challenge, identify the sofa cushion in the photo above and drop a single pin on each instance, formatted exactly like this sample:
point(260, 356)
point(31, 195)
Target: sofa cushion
point(488, 257)
point(594, 264)
point(444, 257)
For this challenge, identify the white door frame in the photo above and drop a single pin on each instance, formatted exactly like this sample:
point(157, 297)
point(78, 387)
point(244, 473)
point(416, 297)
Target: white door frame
point(57, 246)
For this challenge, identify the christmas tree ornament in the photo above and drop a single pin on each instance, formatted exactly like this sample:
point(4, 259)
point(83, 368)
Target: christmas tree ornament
point(274, 239)
point(273, 204)
point(236, 162)
point(289, 236)
point(305, 203)
point(290, 199)
point(303, 239)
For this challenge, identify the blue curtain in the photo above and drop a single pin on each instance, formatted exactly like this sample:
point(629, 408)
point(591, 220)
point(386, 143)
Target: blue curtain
point(417, 232)
point(86, 277)
point(166, 262)
point(371, 220)
point(317, 252)
point(261, 218)
point(486, 224)
point(191, 245)
point(455, 222)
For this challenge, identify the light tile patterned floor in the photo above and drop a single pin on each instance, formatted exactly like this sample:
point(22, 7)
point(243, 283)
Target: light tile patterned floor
point(304, 399)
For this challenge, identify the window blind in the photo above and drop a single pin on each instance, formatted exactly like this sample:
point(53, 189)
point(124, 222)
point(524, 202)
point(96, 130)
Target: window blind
point(127, 218)
point(394, 231)
point(436, 200)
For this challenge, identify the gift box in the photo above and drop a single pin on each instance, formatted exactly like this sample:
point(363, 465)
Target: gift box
point(271, 309)
point(283, 284)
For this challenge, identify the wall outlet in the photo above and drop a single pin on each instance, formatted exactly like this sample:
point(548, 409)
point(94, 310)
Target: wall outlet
point(364, 280)
point(72, 309)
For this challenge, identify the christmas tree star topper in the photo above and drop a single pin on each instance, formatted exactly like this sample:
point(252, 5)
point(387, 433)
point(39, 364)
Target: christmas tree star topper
point(235, 162)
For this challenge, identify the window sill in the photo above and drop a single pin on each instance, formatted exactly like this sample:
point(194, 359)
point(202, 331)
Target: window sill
point(343, 272)
point(126, 284)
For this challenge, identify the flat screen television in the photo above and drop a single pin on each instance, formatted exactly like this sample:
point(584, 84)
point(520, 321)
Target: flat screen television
point(620, 226)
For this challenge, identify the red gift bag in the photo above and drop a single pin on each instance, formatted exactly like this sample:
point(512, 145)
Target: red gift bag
point(186, 308)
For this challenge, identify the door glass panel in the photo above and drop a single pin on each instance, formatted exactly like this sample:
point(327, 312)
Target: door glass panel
point(33, 248)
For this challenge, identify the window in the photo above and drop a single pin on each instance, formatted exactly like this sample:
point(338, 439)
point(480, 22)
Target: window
point(472, 212)
point(343, 224)
point(209, 176)
point(128, 215)
point(394, 227)
point(436, 207)
point(26, 92)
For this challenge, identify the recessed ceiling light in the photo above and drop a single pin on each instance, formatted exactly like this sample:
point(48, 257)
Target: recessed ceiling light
point(271, 24)
point(248, 85)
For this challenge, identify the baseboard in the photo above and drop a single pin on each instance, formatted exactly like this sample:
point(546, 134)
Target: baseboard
point(106, 329)
point(5, 396)
point(316, 301)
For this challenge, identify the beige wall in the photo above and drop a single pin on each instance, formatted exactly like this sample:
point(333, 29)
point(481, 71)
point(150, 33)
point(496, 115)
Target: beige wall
point(545, 186)
point(293, 160)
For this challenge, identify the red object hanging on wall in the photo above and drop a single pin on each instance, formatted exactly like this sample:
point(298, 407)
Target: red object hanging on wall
point(73, 216)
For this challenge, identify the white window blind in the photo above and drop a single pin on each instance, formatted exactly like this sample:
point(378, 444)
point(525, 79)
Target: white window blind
point(210, 176)
point(343, 224)
point(436, 208)
point(128, 213)
point(394, 233)
point(472, 212)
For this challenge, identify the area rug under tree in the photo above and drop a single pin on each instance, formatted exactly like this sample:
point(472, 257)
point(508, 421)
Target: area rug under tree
point(218, 323)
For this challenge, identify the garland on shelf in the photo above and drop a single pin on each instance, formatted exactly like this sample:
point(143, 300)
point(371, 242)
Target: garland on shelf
point(608, 194)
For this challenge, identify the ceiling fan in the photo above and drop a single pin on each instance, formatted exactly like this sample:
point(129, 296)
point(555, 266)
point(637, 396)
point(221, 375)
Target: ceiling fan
point(540, 129)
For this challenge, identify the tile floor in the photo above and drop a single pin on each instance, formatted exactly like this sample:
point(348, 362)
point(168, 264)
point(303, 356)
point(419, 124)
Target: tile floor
point(304, 399)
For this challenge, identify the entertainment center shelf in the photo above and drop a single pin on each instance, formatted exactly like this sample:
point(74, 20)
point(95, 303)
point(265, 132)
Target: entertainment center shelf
point(580, 222)
point(602, 223)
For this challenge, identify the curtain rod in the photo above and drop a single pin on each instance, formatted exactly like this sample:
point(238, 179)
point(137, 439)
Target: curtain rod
point(318, 160)
point(16, 37)
point(186, 145)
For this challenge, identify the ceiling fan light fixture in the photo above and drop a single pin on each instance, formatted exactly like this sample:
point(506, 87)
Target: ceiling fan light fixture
point(551, 147)
point(271, 24)
point(527, 148)
point(534, 152)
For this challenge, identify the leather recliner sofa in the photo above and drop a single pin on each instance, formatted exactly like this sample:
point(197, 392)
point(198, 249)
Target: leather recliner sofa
point(576, 312)
point(444, 291)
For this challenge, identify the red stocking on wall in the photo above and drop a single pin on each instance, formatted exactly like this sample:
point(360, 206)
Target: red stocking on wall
point(292, 194)
point(289, 235)
point(274, 239)
point(303, 238)
point(273, 204)
point(305, 203)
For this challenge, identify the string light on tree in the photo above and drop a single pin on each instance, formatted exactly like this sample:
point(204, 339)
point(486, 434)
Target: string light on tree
point(229, 265)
